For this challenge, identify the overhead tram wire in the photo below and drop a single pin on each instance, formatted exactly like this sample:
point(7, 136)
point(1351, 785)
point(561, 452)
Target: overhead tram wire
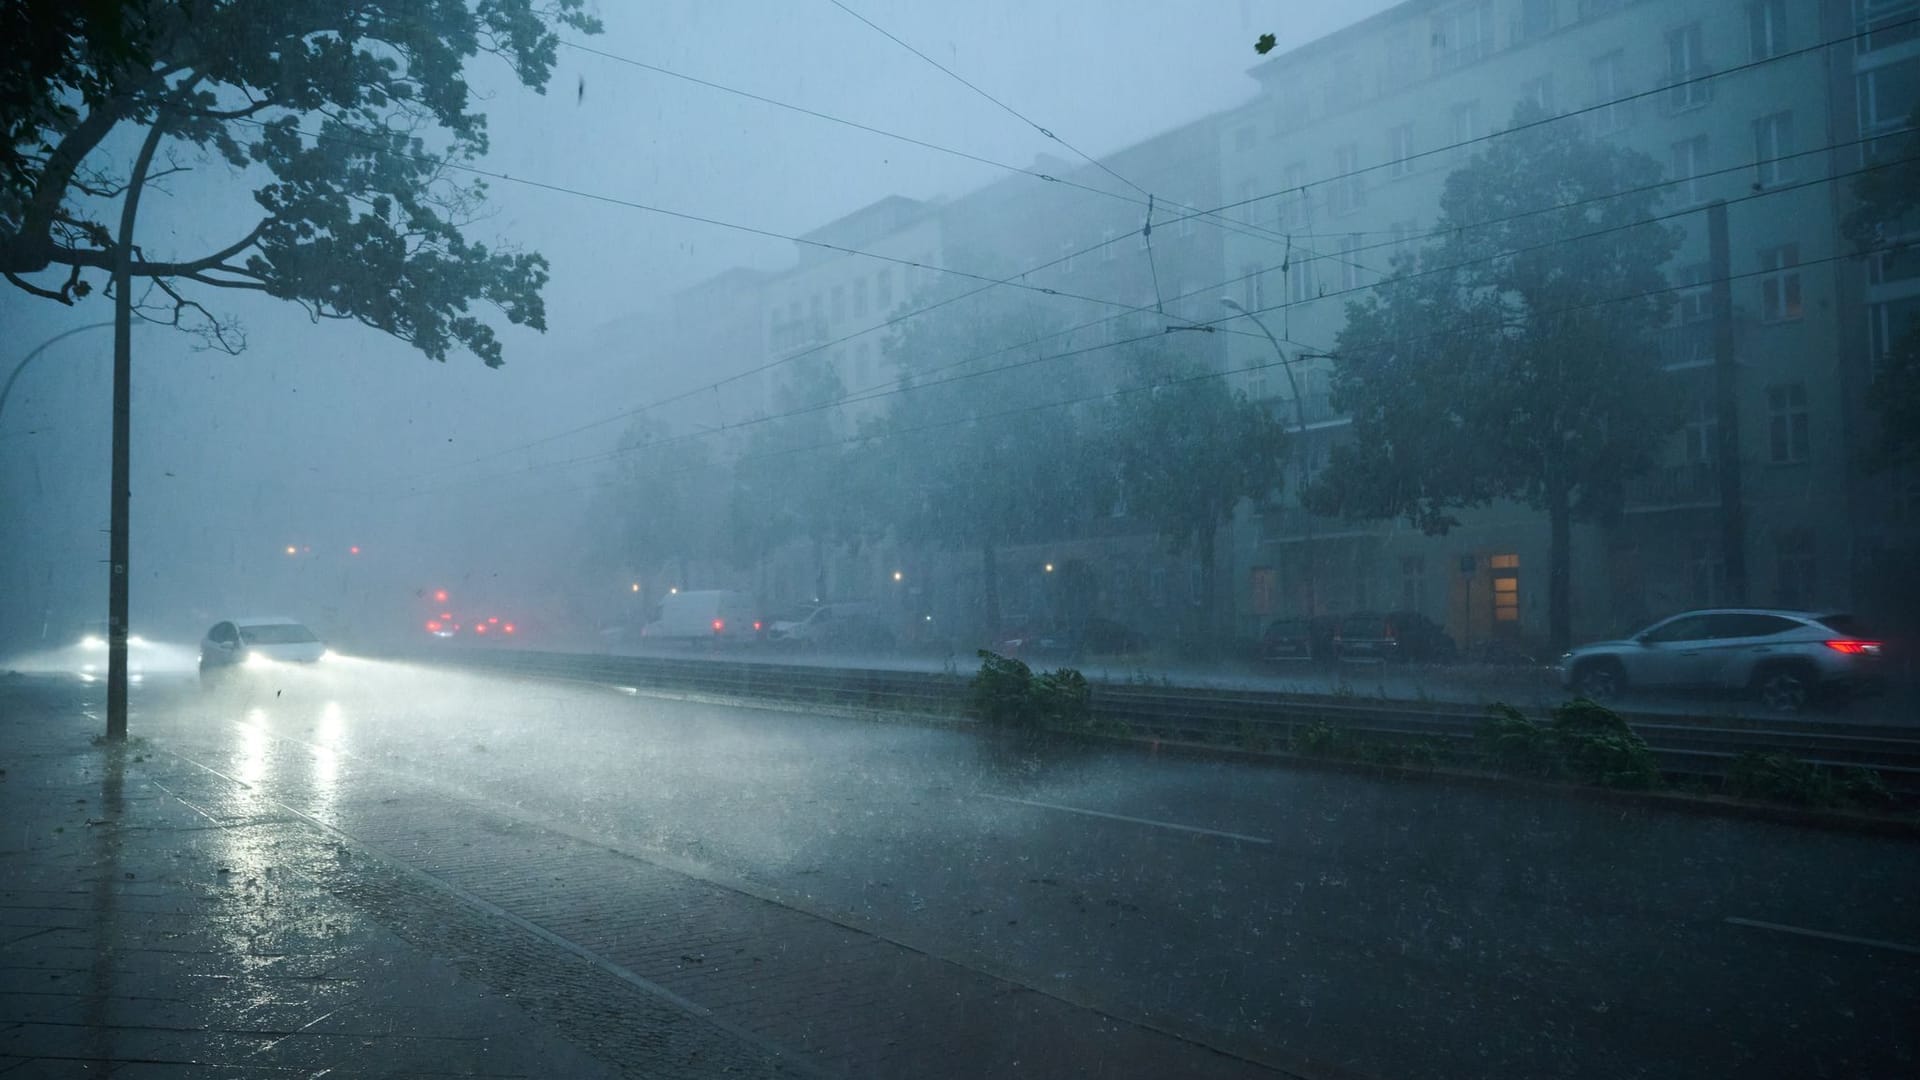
point(882, 390)
point(1123, 391)
point(1212, 323)
point(1013, 279)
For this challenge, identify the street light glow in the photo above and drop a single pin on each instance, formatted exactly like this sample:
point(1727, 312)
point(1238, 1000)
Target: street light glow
point(636, 586)
point(1049, 568)
point(290, 549)
point(897, 575)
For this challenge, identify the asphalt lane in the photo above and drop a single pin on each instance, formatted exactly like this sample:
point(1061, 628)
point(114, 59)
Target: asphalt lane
point(1317, 921)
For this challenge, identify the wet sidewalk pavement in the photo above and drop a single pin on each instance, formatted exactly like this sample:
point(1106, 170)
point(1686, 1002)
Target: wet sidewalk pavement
point(145, 936)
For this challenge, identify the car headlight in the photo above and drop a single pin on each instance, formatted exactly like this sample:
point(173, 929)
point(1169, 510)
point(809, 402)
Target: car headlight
point(93, 641)
point(256, 660)
point(329, 654)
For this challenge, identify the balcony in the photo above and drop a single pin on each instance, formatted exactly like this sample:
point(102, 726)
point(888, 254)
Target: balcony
point(1673, 487)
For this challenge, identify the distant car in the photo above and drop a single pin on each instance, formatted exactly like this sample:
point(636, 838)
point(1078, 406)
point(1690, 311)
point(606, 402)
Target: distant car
point(1785, 658)
point(1096, 636)
point(711, 615)
point(832, 626)
point(1392, 636)
point(1104, 637)
point(258, 641)
point(1298, 639)
point(92, 647)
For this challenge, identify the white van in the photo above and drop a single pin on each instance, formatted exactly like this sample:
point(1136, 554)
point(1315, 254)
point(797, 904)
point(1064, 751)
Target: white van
point(705, 615)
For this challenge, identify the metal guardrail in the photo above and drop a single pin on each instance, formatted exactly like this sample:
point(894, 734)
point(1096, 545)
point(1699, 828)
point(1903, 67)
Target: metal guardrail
point(1700, 746)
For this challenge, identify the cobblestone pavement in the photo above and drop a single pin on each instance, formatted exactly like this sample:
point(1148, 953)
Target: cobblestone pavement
point(578, 959)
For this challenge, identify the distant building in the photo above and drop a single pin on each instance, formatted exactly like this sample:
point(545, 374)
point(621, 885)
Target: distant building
point(1340, 159)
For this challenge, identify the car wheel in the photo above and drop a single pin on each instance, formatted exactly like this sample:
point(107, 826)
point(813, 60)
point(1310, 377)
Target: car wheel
point(1599, 680)
point(1783, 689)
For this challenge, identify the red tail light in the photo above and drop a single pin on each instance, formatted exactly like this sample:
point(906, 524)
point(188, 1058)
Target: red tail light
point(1853, 648)
point(719, 625)
point(493, 618)
point(433, 626)
point(756, 624)
point(508, 628)
point(479, 628)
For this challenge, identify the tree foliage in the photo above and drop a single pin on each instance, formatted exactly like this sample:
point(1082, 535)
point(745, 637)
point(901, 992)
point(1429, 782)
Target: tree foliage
point(1188, 449)
point(347, 119)
point(1513, 360)
point(980, 458)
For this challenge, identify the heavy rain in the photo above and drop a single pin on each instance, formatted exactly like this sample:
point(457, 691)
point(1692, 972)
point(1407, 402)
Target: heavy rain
point(604, 538)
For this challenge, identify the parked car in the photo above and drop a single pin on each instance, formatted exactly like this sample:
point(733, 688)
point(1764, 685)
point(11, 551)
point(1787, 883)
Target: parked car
point(832, 626)
point(1785, 658)
point(1392, 636)
point(1104, 637)
point(713, 615)
point(1032, 639)
point(261, 640)
point(1298, 639)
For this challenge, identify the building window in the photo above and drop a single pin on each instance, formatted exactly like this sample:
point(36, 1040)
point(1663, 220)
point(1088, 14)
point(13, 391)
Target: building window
point(1183, 225)
point(1343, 88)
point(1463, 35)
point(1610, 114)
point(1243, 137)
point(1798, 561)
point(859, 297)
point(1773, 148)
point(1536, 19)
point(1294, 208)
point(1686, 64)
point(1707, 571)
point(1882, 23)
point(1400, 150)
point(1766, 25)
point(1109, 250)
point(1299, 275)
point(1464, 127)
point(1257, 388)
point(1066, 257)
point(839, 302)
point(1349, 186)
point(1350, 261)
point(1787, 423)
point(1292, 105)
point(1253, 291)
point(1506, 592)
point(1400, 62)
point(883, 289)
point(1413, 582)
point(1693, 295)
point(1539, 92)
point(1702, 433)
point(1886, 324)
point(1402, 235)
point(1886, 95)
point(1780, 285)
point(1689, 162)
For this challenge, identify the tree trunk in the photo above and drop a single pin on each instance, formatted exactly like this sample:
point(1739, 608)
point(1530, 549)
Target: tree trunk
point(990, 590)
point(1559, 565)
point(118, 528)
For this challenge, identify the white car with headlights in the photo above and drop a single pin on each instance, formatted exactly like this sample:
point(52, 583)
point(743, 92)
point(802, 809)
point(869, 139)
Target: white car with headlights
point(259, 641)
point(92, 648)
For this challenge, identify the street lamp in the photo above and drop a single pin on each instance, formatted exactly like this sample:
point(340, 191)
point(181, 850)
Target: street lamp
point(1300, 425)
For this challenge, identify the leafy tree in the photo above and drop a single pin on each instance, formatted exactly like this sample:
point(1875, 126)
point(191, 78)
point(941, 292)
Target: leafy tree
point(979, 461)
point(1889, 208)
point(668, 498)
point(1187, 450)
point(345, 117)
point(1514, 361)
point(794, 480)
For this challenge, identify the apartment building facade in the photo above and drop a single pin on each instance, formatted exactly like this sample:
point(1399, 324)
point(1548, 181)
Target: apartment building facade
point(1761, 104)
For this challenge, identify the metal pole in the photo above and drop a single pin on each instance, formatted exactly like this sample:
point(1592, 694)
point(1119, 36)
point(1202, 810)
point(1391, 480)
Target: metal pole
point(7, 390)
point(1733, 525)
point(1300, 420)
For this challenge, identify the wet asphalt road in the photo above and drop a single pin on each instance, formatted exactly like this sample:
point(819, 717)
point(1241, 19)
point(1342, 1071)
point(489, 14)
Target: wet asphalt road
point(1317, 921)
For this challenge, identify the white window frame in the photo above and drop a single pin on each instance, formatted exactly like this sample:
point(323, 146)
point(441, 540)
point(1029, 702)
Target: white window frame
point(1686, 63)
point(1400, 150)
point(1765, 29)
point(1773, 148)
point(1782, 298)
point(1689, 160)
point(1789, 424)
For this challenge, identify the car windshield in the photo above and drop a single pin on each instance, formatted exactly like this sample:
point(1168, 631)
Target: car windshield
point(900, 538)
point(276, 634)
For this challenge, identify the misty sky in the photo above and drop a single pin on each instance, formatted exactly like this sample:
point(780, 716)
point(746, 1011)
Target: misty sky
point(335, 434)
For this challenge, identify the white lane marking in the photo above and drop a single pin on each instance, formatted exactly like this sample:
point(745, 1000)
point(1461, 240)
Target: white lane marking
point(1870, 943)
point(1135, 820)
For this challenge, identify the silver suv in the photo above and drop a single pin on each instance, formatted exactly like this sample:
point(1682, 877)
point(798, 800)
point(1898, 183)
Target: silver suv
point(1784, 657)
